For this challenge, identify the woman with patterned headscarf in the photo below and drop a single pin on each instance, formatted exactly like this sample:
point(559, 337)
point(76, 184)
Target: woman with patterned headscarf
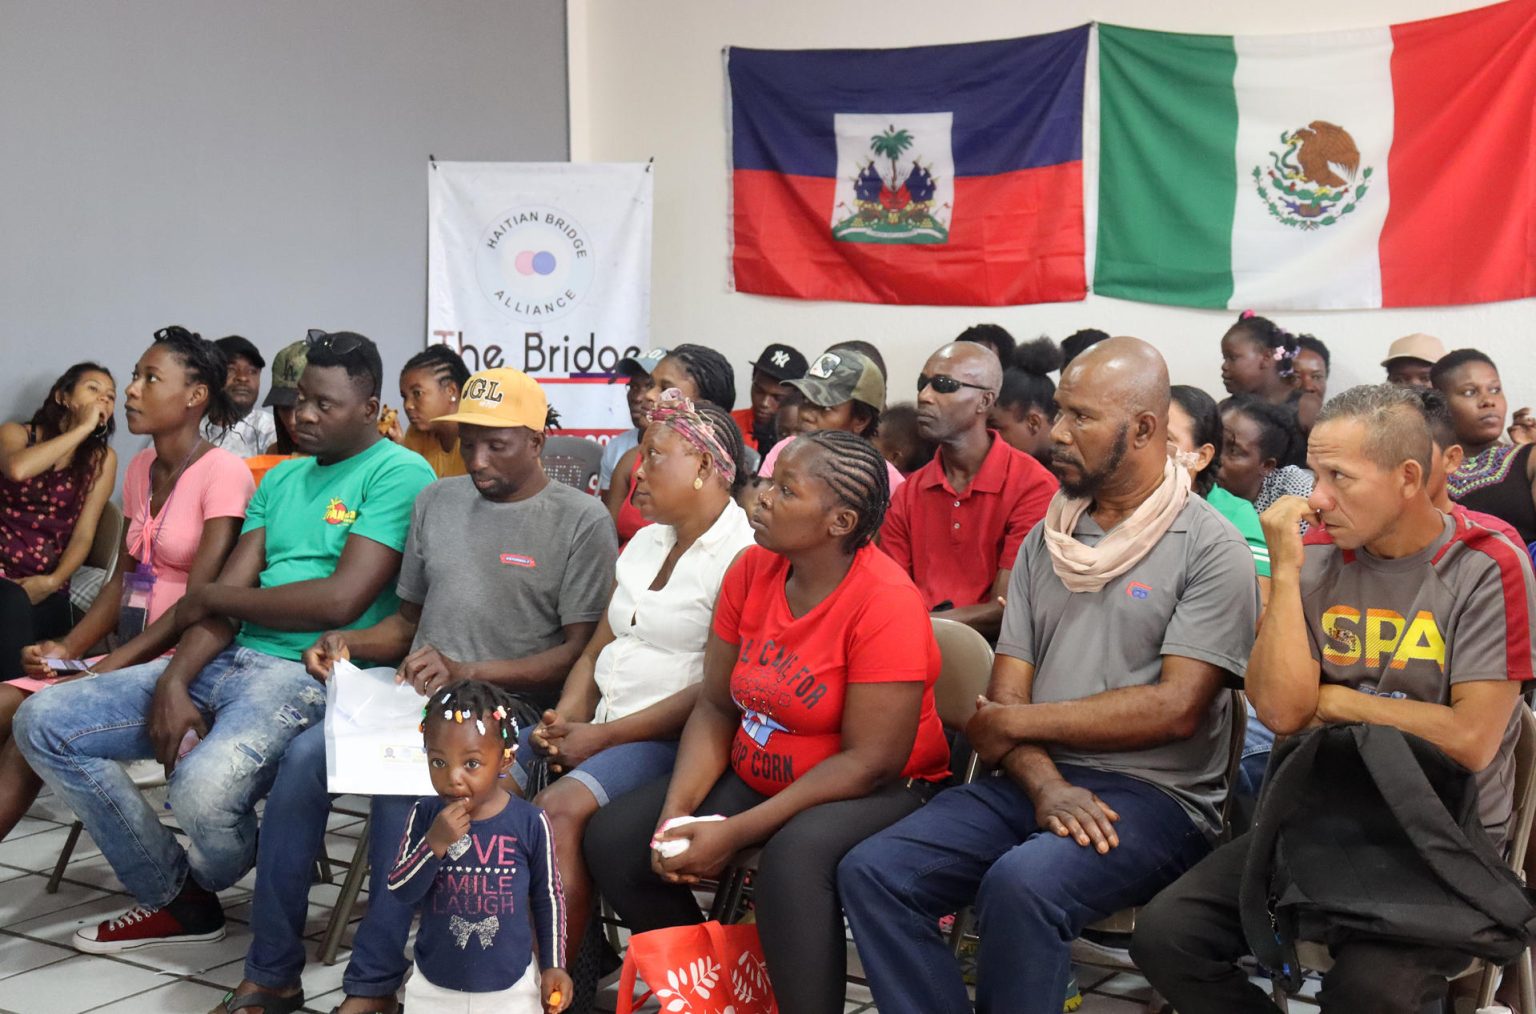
point(624, 704)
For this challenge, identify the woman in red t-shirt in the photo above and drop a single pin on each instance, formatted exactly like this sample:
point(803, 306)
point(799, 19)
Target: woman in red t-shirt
point(815, 726)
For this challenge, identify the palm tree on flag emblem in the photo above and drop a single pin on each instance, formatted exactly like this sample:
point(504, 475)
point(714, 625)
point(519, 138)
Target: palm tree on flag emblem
point(892, 145)
point(894, 209)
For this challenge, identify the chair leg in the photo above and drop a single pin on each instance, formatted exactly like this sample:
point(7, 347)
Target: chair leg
point(739, 899)
point(610, 920)
point(1278, 995)
point(727, 904)
point(350, 888)
point(1487, 982)
point(1527, 987)
point(957, 931)
point(69, 850)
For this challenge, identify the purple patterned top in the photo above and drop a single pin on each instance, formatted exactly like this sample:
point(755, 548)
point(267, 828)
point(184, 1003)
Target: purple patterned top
point(37, 517)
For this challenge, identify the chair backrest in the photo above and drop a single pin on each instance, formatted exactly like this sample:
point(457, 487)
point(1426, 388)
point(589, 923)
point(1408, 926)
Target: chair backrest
point(1234, 754)
point(108, 540)
point(965, 671)
point(573, 461)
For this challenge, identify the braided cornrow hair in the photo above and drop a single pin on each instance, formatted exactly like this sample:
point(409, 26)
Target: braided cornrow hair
point(711, 372)
point(489, 708)
point(206, 364)
point(856, 473)
point(729, 435)
point(444, 364)
point(1280, 343)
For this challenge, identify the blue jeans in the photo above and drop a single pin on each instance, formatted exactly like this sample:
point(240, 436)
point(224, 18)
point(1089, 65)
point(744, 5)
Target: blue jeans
point(1034, 891)
point(295, 820)
point(607, 774)
point(74, 734)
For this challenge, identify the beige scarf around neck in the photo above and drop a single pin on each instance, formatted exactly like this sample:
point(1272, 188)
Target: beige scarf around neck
point(1085, 568)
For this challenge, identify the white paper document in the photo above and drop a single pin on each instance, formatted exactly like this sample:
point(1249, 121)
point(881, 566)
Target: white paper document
point(372, 743)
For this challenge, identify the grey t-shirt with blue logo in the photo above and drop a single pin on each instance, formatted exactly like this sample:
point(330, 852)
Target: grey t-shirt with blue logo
point(1195, 594)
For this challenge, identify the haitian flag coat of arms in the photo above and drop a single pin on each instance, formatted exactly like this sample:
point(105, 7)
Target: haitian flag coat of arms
point(930, 175)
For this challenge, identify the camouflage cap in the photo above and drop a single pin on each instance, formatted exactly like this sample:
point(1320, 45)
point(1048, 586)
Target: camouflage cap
point(287, 366)
point(842, 376)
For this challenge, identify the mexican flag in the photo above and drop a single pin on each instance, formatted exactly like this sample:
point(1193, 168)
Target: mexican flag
point(1378, 167)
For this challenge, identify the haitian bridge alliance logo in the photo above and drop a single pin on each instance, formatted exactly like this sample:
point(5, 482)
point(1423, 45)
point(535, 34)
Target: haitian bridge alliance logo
point(535, 263)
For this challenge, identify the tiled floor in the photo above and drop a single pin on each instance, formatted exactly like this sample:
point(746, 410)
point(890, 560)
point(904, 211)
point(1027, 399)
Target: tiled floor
point(41, 974)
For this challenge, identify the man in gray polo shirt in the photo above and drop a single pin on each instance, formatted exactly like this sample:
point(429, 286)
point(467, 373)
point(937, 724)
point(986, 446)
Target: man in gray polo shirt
point(1128, 607)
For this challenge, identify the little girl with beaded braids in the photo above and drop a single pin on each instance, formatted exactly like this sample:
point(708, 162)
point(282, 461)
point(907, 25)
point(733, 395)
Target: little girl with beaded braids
point(478, 860)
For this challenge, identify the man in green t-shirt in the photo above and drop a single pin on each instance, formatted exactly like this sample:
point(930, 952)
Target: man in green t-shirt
point(320, 550)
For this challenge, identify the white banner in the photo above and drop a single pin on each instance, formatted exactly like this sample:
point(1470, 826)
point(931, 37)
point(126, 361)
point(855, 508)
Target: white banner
point(544, 267)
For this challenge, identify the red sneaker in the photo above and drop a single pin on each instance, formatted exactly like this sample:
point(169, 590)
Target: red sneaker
point(142, 926)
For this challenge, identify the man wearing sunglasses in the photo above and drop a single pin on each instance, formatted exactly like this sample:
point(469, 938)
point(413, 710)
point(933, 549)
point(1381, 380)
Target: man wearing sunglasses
point(320, 550)
point(957, 523)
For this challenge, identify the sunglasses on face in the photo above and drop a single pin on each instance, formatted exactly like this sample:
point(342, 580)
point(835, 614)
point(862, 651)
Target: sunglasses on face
point(944, 384)
point(341, 344)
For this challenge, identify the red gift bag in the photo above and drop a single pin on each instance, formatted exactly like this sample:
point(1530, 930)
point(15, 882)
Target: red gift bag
point(703, 969)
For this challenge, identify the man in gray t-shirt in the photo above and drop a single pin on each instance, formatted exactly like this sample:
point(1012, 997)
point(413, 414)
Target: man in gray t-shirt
point(504, 590)
point(504, 577)
point(1105, 714)
point(1389, 613)
point(1193, 596)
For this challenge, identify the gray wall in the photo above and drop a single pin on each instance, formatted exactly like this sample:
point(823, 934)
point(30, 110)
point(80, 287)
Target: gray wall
point(250, 167)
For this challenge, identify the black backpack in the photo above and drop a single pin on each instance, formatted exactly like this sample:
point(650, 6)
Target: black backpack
point(1368, 831)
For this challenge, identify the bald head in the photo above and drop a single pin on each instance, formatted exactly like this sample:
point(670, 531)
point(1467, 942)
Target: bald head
point(1111, 436)
point(958, 389)
point(971, 362)
point(1125, 371)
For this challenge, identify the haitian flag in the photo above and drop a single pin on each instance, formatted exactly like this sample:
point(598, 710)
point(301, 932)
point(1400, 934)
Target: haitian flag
point(936, 174)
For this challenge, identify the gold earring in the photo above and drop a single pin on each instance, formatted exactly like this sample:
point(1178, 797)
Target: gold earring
point(698, 483)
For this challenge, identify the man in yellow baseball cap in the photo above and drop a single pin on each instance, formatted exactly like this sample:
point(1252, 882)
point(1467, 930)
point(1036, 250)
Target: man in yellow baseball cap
point(501, 420)
point(501, 398)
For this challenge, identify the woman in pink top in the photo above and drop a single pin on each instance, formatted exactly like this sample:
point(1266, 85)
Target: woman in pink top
point(184, 501)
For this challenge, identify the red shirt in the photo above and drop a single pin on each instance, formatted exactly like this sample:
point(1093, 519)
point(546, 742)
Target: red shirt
point(745, 422)
point(792, 674)
point(953, 544)
point(1488, 521)
point(630, 519)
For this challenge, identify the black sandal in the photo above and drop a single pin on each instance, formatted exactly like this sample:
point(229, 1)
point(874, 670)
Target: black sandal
point(266, 1002)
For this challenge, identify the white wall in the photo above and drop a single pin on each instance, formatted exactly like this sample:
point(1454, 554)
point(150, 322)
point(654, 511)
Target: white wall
point(244, 167)
point(646, 79)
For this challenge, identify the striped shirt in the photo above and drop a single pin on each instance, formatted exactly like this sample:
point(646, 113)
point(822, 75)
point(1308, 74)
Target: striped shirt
point(476, 900)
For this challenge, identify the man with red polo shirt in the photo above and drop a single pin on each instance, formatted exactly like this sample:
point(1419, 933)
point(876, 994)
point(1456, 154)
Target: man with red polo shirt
point(957, 523)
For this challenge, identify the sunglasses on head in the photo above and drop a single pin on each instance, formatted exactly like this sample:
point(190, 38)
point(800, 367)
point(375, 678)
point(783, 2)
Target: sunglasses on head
point(174, 331)
point(341, 344)
point(945, 384)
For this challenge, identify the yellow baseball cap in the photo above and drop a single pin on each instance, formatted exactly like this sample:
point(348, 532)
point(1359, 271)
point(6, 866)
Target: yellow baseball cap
point(501, 398)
